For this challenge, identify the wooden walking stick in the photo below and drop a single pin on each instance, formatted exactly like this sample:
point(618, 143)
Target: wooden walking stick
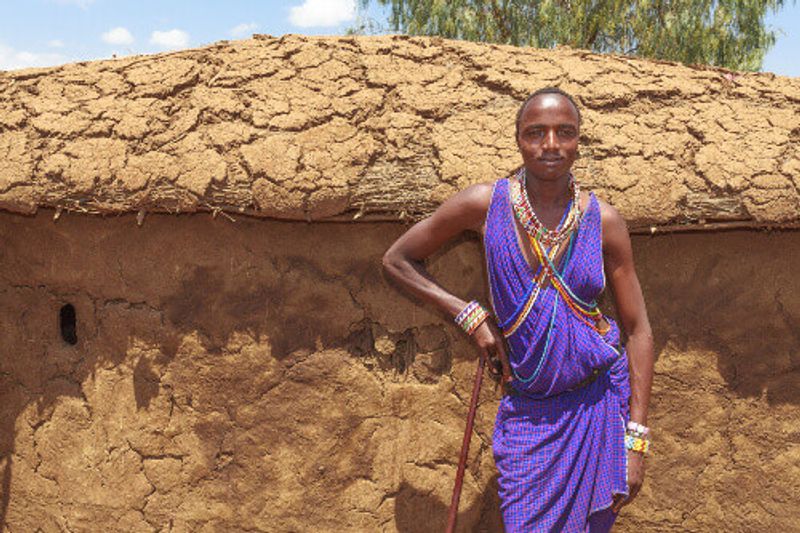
point(462, 461)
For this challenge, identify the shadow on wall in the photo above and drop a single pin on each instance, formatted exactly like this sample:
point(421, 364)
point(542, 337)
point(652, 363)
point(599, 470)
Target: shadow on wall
point(417, 511)
point(139, 293)
point(734, 294)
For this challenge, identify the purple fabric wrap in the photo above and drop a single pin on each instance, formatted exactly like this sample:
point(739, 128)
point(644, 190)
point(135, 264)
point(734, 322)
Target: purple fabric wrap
point(560, 452)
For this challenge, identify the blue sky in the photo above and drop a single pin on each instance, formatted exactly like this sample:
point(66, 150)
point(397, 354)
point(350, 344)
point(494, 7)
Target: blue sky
point(783, 57)
point(50, 32)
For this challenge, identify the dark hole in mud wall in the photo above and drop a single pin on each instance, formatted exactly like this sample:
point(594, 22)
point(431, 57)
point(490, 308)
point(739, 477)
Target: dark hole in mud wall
point(263, 376)
point(67, 324)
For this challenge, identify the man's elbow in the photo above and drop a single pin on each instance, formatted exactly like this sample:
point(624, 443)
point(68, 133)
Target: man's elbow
point(389, 263)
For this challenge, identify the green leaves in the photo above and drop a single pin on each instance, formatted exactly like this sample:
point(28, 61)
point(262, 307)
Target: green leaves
point(727, 33)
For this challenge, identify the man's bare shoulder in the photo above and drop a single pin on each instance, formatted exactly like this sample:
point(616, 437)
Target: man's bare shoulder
point(468, 207)
point(480, 195)
point(615, 229)
point(608, 213)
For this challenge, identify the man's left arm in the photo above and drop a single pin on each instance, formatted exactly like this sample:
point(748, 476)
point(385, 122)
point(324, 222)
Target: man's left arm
point(621, 276)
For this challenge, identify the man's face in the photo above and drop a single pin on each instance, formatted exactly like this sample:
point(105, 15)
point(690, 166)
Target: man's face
point(548, 136)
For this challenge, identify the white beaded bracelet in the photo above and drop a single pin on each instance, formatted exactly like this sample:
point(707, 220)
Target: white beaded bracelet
point(637, 428)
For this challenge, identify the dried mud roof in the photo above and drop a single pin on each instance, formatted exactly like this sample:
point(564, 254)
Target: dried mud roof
point(386, 128)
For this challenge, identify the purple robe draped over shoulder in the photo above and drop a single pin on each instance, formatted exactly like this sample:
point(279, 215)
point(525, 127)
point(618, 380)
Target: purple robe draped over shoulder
point(559, 447)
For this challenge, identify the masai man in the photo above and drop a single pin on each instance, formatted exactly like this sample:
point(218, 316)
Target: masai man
point(570, 435)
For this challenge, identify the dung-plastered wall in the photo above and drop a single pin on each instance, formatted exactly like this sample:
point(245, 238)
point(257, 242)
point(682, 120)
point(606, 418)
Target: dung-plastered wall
point(240, 373)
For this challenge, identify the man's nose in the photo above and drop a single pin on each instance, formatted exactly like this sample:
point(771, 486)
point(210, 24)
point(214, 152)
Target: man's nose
point(550, 140)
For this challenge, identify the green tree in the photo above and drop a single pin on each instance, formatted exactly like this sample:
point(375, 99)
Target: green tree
point(726, 33)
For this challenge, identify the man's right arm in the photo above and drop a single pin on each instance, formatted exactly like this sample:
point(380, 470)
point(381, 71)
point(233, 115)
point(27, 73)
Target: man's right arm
point(403, 262)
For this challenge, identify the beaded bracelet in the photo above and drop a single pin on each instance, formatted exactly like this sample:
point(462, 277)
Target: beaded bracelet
point(637, 444)
point(636, 429)
point(471, 317)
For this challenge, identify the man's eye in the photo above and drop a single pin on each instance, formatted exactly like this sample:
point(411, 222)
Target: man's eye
point(566, 132)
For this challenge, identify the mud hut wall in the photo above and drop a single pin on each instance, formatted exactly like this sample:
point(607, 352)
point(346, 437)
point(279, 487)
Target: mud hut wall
point(262, 376)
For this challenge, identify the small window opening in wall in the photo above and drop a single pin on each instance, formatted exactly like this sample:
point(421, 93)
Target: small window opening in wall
point(67, 324)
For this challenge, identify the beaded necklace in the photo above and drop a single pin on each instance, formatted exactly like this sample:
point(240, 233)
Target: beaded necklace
point(588, 313)
point(527, 216)
point(544, 243)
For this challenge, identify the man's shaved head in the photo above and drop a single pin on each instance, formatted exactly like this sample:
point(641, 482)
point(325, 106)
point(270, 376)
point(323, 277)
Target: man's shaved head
point(540, 92)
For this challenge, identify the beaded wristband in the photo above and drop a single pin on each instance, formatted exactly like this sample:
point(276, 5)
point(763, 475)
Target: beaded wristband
point(474, 319)
point(637, 444)
point(471, 317)
point(637, 429)
point(470, 309)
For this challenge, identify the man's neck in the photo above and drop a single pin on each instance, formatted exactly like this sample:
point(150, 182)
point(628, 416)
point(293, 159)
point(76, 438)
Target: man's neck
point(547, 193)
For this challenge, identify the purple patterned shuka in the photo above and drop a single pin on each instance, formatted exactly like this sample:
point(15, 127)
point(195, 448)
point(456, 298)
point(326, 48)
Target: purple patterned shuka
point(559, 447)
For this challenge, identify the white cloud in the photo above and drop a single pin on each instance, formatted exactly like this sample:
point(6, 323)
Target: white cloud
point(243, 30)
point(118, 35)
point(55, 43)
point(11, 59)
point(322, 13)
point(170, 39)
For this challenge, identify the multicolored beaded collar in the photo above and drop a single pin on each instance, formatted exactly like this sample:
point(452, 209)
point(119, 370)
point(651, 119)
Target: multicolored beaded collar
point(527, 216)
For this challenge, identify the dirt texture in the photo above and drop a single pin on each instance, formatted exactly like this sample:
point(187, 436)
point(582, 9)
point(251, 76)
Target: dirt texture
point(386, 128)
point(261, 375)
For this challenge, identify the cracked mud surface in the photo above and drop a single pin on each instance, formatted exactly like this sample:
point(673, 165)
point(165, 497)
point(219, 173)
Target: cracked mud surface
point(262, 376)
point(386, 128)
